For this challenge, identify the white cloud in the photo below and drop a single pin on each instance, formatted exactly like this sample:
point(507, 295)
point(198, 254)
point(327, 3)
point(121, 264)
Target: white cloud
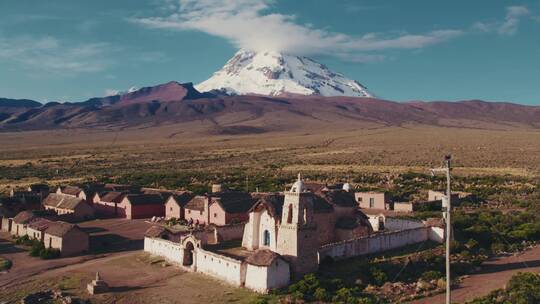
point(512, 19)
point(506, 27)
point(51, 55)
point(249, 24)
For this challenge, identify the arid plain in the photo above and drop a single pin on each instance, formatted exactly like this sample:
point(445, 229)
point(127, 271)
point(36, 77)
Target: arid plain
point(77, 154)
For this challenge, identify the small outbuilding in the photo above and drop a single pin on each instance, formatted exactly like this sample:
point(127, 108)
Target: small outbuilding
point(66, 237)
point(266, 270)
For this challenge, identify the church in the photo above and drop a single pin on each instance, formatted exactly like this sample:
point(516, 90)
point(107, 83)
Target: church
point(287, 235)
point(295, 224)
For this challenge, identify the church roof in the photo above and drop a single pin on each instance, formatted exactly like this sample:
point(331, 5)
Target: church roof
point(340, 198)
point(320, 205)
point(272, 201)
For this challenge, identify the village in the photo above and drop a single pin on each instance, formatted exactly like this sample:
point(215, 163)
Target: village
point(261, 241)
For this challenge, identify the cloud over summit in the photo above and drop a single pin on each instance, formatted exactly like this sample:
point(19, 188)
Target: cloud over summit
point(250, 24)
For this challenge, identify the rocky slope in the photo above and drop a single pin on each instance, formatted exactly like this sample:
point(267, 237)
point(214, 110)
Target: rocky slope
point(182, 104)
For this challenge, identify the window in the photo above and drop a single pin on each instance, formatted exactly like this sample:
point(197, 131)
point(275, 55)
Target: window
point(266, 238)
point(200, 212)
point(189, 211)
point(170, 209)
point(215, 214)
point(360, 199)
point(371, 202)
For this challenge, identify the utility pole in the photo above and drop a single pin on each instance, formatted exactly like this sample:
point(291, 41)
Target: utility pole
point(447, 202)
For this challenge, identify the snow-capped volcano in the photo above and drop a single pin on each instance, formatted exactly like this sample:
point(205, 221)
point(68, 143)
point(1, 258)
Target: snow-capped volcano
point(273, 73)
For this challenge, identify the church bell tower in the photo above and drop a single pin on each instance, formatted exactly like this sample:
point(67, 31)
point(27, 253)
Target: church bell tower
point(297, 239)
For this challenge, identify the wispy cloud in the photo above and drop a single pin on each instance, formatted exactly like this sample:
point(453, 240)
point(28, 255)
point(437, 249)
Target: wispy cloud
point(507, 27)
point(52, 55)
point(250, 24)
point(511, 21)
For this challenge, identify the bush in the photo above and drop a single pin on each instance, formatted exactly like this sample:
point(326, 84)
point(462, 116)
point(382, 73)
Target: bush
point(36, 249)
point(379, 276)
point(431, 275)
point(5, 264)
point(23, 240)
point(345, 295)
point(49, 253)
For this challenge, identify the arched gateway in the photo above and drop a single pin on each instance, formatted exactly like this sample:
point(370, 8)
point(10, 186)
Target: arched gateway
point(189, 252)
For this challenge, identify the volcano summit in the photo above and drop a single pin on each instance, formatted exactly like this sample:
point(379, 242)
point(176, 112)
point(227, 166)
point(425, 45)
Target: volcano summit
point(274, 74)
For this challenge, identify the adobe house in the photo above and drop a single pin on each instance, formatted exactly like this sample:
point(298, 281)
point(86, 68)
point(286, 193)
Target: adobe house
point(374, 200)
point(175, 205)
point(36, 228)
point(20, 223)
point(68, 204)
point(68, 238)
point(137, 206)
point(71, 191)
point(221, 208)
point(106, 204)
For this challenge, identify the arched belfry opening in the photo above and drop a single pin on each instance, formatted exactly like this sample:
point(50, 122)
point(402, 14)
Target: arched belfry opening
point(289, 214)
point(266, 238)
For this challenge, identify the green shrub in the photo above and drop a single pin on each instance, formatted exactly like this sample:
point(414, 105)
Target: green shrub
point(320, 294)
point(37, 248)
point(5, 264)
point(378, 275)
point(49, 253)
point(431, 275)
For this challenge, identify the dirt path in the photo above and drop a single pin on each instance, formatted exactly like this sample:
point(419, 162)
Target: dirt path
point(494, 274)
point(132, 278)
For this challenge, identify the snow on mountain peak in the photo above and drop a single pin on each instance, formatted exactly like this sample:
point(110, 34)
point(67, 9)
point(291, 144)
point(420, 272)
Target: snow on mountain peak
point(273, 73)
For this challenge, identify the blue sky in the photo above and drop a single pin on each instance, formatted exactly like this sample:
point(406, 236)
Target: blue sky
point(401, 50)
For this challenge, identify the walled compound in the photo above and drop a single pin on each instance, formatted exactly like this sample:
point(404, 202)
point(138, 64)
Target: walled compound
point(287, 235)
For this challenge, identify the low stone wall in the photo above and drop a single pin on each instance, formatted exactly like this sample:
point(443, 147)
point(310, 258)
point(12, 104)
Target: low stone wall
point(403, 207)
point(171, 251)
point(374, 243)
point(221, 267)
point(395, 224)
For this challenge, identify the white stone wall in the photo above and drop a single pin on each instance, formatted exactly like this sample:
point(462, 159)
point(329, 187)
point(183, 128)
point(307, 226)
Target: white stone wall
point(263, 279)
point(374, 243)
point(436, 234)
point(172, 252)
point(221, 267)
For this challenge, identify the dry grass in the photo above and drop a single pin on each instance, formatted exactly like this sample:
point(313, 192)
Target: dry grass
point(68, 155)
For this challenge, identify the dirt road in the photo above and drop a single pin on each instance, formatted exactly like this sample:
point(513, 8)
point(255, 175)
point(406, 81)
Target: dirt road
point(493, 275)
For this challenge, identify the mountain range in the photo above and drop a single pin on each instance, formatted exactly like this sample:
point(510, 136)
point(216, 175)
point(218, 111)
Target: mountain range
point(262, 92)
